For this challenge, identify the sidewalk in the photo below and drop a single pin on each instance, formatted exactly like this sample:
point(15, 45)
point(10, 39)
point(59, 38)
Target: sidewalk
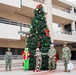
point(17, 69)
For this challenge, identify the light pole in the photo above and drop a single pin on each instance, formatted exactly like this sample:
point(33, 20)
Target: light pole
point(24, 33)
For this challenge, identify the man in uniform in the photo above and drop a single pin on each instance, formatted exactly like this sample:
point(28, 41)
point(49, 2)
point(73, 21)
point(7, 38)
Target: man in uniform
point(52, 57)
point(8, 59)
point(66, 56)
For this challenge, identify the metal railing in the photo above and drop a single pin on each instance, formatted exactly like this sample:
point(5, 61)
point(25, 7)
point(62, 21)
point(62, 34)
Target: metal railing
point(40, 1)
point(15, 57)
point(61, 8)
point(64, 32)
point(11, 22)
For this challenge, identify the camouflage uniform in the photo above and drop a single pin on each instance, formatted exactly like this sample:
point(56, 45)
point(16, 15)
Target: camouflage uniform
point(8, 60)
point(66, 55)
point(51, 54)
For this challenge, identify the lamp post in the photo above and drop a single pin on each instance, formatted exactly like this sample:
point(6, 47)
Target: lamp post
point(23, 33)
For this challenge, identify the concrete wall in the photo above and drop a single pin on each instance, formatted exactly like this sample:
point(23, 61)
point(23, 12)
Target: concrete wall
point(15, 17)
point(11, 2)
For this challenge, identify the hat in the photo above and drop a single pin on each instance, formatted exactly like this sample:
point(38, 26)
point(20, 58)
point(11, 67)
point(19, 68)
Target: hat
point(65, 44)
point(8, 49)
point(37, 49)
point(52, 45)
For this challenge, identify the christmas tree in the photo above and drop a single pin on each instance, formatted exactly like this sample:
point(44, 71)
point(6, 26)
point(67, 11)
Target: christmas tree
point(39, 37)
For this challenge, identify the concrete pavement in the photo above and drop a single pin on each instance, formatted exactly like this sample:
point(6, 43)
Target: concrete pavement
point(17, 69)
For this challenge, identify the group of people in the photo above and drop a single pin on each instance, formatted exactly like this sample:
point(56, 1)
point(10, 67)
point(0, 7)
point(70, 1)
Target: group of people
point(66, 56)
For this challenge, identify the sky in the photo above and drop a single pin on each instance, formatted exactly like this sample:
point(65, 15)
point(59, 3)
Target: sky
point(72, 1)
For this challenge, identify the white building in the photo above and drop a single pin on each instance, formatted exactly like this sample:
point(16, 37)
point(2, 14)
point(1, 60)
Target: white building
point(16, 13)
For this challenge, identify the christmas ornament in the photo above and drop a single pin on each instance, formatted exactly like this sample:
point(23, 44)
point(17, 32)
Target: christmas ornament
point(38, 44)
point(39, 12)
point(45, 44)
point(36, 31)
point(30, 34)
point(46, 32)
point(42, 18)
point(39, 6)
point(30, 26)
point(40, 37)
point(36, 20)
point(37, 9)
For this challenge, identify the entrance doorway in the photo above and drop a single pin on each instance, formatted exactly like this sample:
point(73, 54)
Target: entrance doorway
point(73, 55)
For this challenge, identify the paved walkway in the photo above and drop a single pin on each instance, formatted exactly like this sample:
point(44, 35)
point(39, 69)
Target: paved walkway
point(17, 69)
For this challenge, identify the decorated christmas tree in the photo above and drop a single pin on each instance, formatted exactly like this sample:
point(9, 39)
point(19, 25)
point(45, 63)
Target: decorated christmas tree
point(39, 37)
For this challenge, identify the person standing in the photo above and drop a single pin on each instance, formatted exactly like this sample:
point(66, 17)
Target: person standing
point(52, 57)
point(26, 55)
point(8, 59)
point(38, 56)
point(66, 56)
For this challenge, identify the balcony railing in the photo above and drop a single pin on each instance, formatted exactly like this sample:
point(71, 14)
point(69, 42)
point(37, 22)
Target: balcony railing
point(61, 8)
point(15, 57)
point(10, 22)
point(64, 32)
point(40, 1)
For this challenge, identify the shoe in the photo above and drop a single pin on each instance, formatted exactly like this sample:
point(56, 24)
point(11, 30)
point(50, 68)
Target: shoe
point(10, 70)
point(49, 69)
point(68, 70)
point(65, 71)
point(6, 70)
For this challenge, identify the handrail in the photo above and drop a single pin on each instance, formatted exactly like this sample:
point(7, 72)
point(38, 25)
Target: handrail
point(61, 8)
point(15, 57)
point(64, 32)
point(40, 1)
point(11, 22)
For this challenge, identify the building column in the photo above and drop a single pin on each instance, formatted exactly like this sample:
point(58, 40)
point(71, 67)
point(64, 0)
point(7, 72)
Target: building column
point(72, 10)
point(73, 27)
point(49, 18)
point(62, 28)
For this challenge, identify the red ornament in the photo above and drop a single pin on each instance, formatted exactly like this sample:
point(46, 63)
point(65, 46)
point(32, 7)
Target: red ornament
point(39, 12)
point(38, 44)
point(40, 37)
point(39, 6)
point(46, 30)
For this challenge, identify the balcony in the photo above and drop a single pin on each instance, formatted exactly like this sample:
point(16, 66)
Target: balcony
point(28, 7)
point(40, 1)
point(61, 8)
point(62, 16)
point(9, 5)
point(13, 3)
point(9, 29)
point(65, 36)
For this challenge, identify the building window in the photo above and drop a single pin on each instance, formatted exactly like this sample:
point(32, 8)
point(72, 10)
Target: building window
point(59, 25)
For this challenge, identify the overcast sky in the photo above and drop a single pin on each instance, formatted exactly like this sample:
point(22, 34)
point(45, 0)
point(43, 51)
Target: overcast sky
point(72, 1)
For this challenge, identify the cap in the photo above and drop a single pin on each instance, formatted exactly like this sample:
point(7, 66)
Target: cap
point(52, 45)
point(8, 49)
point(37, 49)
point(65, 44)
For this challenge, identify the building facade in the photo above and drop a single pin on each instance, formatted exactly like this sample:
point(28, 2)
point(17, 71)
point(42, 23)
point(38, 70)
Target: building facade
point(16, 16)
